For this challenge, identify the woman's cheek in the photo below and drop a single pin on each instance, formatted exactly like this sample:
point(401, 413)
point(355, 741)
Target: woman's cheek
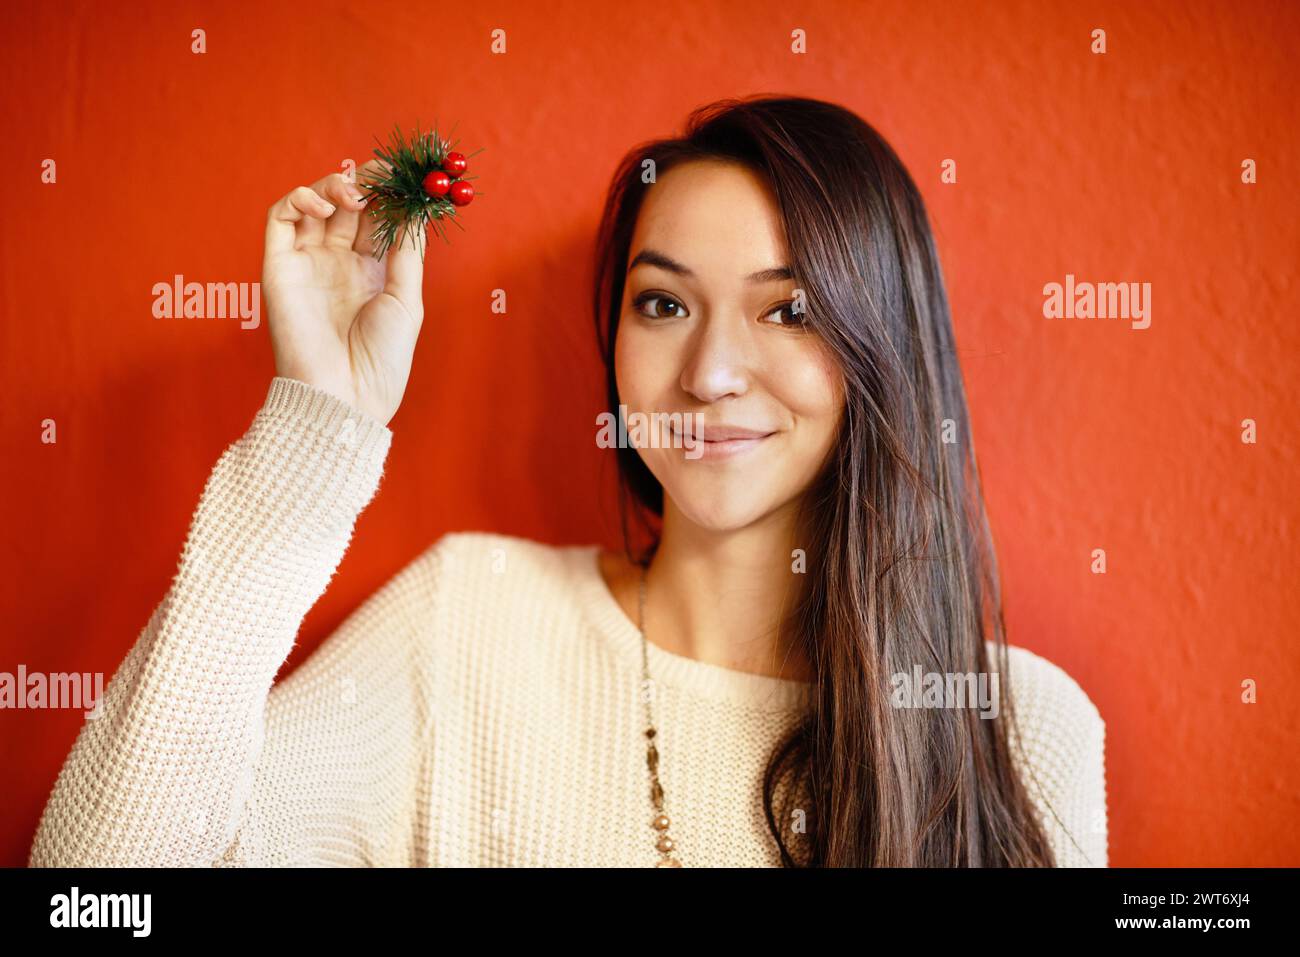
point(806, 380)
point(644, 373)
point(811, 387)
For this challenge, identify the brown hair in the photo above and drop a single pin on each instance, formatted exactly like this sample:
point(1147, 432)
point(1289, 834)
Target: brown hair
point(901, 565)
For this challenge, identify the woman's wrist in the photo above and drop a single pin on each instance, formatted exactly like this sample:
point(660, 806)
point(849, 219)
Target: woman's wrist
point(324, 412)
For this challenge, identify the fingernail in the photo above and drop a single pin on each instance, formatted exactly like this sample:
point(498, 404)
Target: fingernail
point(329, 207)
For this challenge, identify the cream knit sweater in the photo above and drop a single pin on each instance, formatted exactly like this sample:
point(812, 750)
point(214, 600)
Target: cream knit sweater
point(481, 709)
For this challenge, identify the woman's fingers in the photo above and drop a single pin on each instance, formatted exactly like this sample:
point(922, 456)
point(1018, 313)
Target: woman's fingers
point(311, 231)
point(288, 214)
point(341, 229)
point(330, 211)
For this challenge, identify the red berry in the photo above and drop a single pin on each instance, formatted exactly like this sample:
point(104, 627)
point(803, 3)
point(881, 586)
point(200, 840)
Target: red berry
point(437, 183)
point(455, 164)
point(462, 193)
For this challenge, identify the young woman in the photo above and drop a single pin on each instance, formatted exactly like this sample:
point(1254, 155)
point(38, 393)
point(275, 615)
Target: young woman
point(741, 691)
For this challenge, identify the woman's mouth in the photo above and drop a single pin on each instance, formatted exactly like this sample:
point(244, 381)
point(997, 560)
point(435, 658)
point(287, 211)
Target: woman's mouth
point(722, 441)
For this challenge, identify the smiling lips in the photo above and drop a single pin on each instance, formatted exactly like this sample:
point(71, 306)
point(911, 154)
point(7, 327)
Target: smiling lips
point(722, 441)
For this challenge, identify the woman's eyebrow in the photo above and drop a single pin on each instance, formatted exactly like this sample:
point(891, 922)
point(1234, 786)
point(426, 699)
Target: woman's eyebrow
point(774, 274)
point(652, 257)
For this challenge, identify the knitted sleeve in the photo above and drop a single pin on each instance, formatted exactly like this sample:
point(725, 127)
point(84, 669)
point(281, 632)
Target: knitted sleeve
point(191, 758)
point(1085, 800)
point(1062, 756)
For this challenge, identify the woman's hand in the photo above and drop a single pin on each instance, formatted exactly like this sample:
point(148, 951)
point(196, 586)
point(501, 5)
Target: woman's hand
point(341, 320)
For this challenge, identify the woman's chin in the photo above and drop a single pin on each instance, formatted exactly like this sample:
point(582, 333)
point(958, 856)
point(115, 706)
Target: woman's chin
point(724, 513)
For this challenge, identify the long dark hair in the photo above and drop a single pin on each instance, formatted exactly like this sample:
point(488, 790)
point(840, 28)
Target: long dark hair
point(901, 568)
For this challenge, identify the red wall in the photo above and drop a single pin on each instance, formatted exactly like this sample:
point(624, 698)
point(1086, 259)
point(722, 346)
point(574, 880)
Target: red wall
point(1116, 167)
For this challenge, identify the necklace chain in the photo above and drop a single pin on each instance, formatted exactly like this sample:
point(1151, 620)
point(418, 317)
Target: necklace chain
point(664, 844)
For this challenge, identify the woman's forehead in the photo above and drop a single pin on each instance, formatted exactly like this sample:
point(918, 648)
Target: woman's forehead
point(712, 218)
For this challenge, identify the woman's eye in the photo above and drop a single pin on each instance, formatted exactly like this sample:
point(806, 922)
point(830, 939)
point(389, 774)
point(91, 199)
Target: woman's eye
point(786, 315)
point(661, 303)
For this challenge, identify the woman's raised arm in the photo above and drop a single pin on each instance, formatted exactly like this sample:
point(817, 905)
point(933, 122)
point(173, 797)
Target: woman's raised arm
point(186, 748)
point(191, 757)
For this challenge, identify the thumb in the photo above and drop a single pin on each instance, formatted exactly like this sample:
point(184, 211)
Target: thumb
point(405, 269)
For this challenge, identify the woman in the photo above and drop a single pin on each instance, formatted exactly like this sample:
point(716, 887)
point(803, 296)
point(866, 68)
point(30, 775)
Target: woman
point(741, 691)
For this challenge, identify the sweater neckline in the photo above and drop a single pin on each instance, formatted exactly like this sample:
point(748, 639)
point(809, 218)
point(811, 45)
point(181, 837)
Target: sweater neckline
point(699, 678)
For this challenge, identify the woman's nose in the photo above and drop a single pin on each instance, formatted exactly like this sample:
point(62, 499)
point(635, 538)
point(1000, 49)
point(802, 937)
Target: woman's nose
point(718, 363)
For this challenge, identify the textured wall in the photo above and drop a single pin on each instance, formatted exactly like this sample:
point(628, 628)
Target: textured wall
point(1123, 166)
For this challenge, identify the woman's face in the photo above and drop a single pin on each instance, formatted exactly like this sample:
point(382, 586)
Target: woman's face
point(704, 334)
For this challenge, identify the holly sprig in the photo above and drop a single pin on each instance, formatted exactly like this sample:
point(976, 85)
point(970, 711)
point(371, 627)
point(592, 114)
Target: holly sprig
point(398, 199)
